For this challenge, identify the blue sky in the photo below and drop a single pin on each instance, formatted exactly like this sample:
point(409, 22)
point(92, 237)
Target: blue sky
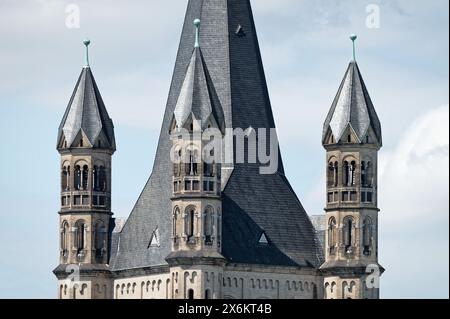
point(305, 50)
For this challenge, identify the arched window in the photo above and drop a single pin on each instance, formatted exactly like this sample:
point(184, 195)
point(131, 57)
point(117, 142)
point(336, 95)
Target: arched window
point(100, 235)
point(346, 173)
point(174, 224)
point(347, 234)
point(191, 163)
point(331, 235)
point(207, 294)
point(65, 179)
point(190, 223)
point(369, 174)
point(64, 238)
point(95, 178)
point(363, 174)
point(367, 236)
point(102, 179)
point(330, 174)
point(85, 176)
point(80, 236)
point(191, 294)
point(208, 226)
point(336, 174)
point(77, 178)
point(352, 173)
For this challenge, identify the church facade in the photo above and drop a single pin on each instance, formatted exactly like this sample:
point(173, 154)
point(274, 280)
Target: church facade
point(210, 223)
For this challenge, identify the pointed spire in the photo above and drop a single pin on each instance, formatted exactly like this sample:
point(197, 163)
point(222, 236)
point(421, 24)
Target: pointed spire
point(86, 115)
point(86, 43)
point(197, 23)
point(352, 108)
point(353, 37)
point(197, 92)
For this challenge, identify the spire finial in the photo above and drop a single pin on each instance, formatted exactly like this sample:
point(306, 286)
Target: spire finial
point(86, 42)
point(353, 37)
point(197, 32)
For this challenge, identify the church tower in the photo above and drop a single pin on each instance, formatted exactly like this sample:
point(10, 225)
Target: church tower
point(352, 138)
point(86, 144)
point(196, 133)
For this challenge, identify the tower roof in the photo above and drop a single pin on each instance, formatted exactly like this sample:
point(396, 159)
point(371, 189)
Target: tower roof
point(86, 114)
point(352, 107)
point(197, 95)
point(252, 204)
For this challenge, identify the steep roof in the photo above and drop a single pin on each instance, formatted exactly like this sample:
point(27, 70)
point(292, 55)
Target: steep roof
point(197, 95)
point(352, 107)
point(252, 203)
point(86, 113)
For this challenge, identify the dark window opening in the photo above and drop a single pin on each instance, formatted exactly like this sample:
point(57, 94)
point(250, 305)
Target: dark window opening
point(190, 225)
point(77, 200)
point(77, 178)
point(348, 234)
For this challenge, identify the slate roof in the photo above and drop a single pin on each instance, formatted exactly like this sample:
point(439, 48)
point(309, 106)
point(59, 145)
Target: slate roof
point(197, 95)
point(252, 203)
point(352, 106)
point(87, 113)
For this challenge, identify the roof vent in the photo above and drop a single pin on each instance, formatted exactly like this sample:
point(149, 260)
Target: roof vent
point(263, 240)
point(154, 240)
point(240, 31)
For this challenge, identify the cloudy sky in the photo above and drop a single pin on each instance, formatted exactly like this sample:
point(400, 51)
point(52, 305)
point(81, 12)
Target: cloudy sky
point(305, 50)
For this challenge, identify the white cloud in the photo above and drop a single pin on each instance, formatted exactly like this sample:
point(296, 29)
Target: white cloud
point(414, 202)
point(414, 178)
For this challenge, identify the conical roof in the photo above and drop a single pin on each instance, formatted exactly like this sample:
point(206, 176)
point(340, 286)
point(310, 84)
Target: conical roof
point(86, 114)
point(352, 107)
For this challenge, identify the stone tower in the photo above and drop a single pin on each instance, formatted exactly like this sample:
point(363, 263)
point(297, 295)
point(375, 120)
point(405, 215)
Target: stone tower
point(196, 200)
point(352, 138)
point(86, 144)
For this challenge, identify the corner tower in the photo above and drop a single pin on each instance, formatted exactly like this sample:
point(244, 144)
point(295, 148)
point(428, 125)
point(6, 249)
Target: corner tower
point(86, 144)
point(352, 138)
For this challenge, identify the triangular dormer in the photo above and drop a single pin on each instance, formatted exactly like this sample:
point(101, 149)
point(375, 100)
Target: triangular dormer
point(263, 239)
